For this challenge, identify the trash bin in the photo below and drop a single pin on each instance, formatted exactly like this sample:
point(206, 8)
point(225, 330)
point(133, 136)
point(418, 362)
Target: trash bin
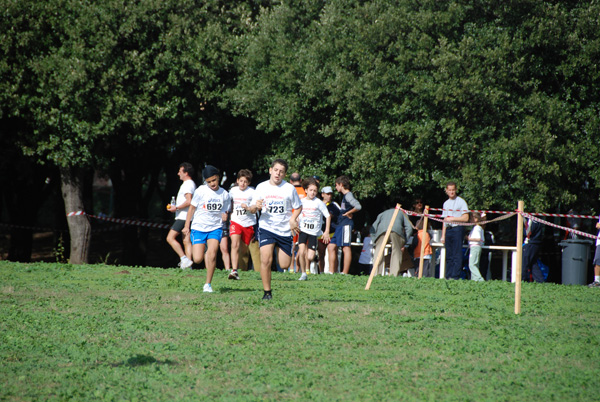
point(575, 258)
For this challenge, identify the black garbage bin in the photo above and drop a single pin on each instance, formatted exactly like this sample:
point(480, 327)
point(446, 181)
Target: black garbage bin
point(575, 258)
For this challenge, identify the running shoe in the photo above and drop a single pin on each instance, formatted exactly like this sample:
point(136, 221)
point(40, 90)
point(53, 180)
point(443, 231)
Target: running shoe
point(185, 263)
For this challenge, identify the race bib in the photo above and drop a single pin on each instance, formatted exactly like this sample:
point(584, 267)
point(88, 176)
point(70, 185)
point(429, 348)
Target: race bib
point(310, 224)
point(213, 206)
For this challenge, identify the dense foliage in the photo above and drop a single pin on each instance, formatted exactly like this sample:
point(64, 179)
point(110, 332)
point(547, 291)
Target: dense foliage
point(405, 95)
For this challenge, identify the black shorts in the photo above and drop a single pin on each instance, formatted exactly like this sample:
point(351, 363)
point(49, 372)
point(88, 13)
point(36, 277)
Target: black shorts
point(225, 228)
point(178, 225)
point(597, 255)
point(283, 242)
point(309, 240)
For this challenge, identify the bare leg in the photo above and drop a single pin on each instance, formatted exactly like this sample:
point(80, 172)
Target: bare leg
point(284, 260)
point(211, 258)
point(347, 258)
point(198, 252)
point(302, 257)
point(172, 240)
point(235, 250)
point(333, 260)
point(322, 249)
point(310, 256)
point(225, 252)
point(266, 259)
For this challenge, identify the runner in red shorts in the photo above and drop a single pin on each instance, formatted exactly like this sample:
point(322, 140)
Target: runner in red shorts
point(242, 220)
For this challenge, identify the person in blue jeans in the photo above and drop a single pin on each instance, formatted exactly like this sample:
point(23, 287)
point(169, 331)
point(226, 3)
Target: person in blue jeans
point(455, 211)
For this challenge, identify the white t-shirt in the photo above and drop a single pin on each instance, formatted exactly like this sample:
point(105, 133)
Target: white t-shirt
point(278, 202)
point(187, 187)
point(598, 239)
point(310, 220)
point(456, 208)
point(366, 256)
point(210, 205)
point(239, 214)
point(476, 233)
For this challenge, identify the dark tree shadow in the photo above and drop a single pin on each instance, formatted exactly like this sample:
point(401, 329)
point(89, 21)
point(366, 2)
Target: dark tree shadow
point(143, 360)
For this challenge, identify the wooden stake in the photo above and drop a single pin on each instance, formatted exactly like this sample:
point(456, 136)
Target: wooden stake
point(425, 219)
point(520, 209)
point(381, 250)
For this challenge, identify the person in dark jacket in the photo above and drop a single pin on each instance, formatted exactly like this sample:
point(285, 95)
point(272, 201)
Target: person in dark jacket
point(531, 250)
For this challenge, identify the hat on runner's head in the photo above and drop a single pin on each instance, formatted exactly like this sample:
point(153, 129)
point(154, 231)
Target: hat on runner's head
point(327, 190)
point(210, 171)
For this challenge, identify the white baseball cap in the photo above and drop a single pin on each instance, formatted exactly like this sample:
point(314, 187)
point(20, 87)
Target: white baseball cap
point(327, 190)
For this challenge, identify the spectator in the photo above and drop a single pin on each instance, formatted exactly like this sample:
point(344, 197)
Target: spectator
point(343, 233)
point(531, 249)
point(596, 282)
point(476, 239)
point(401, 231)
point(423, 236)
point(455, 212)
point(182, 203)
point(334, 211)
point(365, 261)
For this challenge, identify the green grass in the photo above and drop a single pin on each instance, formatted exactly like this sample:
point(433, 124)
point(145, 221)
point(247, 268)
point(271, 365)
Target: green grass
point(95, 333)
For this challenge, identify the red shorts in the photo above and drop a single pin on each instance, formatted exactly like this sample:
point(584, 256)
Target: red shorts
point(247, 233)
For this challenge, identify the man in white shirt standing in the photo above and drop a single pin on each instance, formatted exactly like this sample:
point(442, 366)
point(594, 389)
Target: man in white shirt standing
point(180, 209)
point(280, 206)
point(455, 211)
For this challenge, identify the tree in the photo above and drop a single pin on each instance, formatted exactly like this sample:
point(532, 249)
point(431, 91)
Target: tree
point(117, 86)
point(403, 96)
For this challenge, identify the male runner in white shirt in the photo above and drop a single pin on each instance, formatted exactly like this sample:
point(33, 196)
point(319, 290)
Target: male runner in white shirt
point(280, 206)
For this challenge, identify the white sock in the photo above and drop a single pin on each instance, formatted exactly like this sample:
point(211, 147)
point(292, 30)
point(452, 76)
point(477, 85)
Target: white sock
point(597, 278)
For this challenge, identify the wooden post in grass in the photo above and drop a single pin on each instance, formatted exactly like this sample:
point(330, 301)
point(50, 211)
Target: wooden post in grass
point(381, 250)
point(520, 209)
point(425, 219)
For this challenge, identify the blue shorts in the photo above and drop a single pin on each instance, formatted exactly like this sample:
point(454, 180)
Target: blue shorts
point(343, 236)
point(597, 255)
point(283, 242)
point(199, 237)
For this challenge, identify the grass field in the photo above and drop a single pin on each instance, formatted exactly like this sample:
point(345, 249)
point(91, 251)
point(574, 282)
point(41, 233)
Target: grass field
point(111, 333)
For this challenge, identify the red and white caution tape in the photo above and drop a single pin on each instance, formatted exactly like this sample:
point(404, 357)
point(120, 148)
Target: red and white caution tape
point(437, 218)
point(509, 212)
point(577, 232)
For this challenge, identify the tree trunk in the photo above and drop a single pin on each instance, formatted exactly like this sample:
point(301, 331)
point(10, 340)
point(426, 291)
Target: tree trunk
point(79, 226)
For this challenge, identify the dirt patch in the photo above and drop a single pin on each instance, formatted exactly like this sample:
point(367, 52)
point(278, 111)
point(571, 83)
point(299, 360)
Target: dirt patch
point(122, 272)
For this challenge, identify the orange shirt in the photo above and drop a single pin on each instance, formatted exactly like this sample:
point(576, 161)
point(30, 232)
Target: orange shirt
point(423, 235)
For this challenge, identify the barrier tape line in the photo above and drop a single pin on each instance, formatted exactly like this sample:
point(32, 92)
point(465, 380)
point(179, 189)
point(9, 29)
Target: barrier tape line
point(123, 221)
point(531, 213)
point(577, 232)
point(437, 218)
